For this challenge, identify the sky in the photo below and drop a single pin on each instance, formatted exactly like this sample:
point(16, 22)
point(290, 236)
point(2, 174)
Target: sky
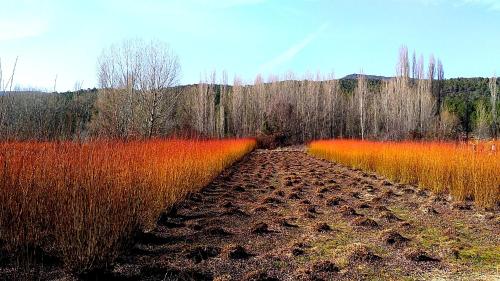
point(64, 38)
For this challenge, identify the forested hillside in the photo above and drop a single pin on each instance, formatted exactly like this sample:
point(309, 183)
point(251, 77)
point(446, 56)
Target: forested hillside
point(68, 115)
point(464, 97)
point(418, 103)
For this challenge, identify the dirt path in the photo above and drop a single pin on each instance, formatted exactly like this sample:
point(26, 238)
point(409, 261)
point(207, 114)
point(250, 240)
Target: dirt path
point(284, 215)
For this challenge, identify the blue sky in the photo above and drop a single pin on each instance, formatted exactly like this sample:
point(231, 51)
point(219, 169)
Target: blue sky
point(247, 37)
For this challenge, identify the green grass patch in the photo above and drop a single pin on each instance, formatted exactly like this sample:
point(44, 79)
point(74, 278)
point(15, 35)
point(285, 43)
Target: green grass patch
point(481, 257)
point(431, 237)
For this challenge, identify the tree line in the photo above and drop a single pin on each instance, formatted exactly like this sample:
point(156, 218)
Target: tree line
point(139, 96)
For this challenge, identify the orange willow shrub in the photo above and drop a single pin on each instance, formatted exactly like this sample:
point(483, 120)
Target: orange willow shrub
point(469, 170)
point(84, 202)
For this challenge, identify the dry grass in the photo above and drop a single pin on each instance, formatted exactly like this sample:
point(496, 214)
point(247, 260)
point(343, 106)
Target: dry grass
point(83, 202)
point(466, 170)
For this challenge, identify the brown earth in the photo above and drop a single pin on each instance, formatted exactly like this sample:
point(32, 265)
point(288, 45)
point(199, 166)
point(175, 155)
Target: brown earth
point(284, 215)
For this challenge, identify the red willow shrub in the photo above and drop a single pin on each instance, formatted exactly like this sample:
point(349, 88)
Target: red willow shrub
point(464, 170)
point(83, 202)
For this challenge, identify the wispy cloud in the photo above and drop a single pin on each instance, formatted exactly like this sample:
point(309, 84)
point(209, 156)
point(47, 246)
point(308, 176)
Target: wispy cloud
point(490, 4)
point(11, 29)
point(210, 5)
point(24, 18)
point(234, 3)
point(429, 2)
point(493, 5)
point(294, 50)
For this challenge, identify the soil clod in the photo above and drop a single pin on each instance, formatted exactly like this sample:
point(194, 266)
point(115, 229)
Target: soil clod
point(239, 189)
point(228, 204)
point(420, 256)
point(259, 276)
point(305, 202)
point(324, 266)
point(261, 228)
point(429, 210)
point(287, 223)
point(217, 231)
point(170, 223)
point(364, 206)
point(359, 252)
point(348, 211)
point(394, 238)
point(323, 227)
point(272, 200)
point(237, 252)
point(461, 206)
point(335, 201)
point(323, 190)
point(365, 222)
point(298, 251)
point(260, 209)
point(389, 216)
point(199, 254)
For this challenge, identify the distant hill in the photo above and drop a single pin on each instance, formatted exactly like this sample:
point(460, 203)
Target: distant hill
point(37, 92)
point(6, 93)
point(369, 77)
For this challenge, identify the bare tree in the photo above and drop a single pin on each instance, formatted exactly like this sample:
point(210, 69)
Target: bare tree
point(206, 123)
point(440, 85)
point(404, 107)
point(6, 106)
point(449, 125)
point(238, 107)
point(331, 113)
point(159, 73)
point(482, 127)
point(1, 76)
point(414, 67)
point(493, 90)
point(404, 64)
point(223, 106)
point(361, 92)
point(78, 85)
point(421, 89)
point(55, 84)
point(11, 79)
point(137, 96)
point(431, 76)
